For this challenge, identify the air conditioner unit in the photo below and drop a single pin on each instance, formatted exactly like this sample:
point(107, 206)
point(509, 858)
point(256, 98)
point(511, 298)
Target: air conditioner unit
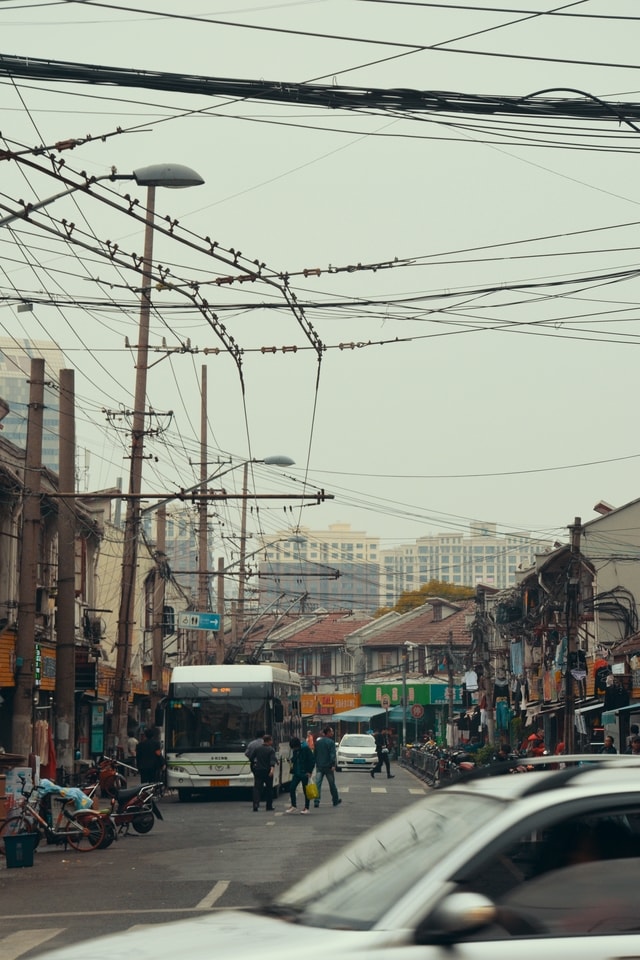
point(93, 629)
point(42, 600)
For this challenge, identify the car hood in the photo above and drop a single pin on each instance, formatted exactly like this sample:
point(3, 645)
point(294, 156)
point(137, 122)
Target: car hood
point(227, 935)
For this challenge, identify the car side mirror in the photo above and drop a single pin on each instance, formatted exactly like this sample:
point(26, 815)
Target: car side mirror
point(456, 916)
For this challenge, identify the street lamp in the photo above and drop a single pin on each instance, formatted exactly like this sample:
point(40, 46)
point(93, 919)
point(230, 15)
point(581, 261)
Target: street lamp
point(152, 176)
point(157, 175)
point(171, 175)
point(275, 461)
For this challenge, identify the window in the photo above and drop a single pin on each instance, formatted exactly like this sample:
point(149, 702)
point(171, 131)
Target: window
point(571, 877)
point(325, 663)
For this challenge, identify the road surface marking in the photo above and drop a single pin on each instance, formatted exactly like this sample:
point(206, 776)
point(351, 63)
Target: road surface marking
point(16, 944)
point(421, 792)
point(214, 894)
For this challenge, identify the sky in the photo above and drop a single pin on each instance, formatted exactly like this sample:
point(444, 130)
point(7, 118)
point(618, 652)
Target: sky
point(446, 325)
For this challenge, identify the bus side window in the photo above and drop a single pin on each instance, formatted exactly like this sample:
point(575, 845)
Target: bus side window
point(278, 711)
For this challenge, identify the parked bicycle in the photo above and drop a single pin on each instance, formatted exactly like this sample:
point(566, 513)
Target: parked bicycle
point(107, 774)
point(82, 829)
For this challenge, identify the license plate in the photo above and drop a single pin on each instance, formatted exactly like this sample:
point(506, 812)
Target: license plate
point(359, 760)
point(218, 783)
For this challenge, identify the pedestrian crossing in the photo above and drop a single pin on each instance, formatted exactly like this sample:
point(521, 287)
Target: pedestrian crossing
point(15, 945)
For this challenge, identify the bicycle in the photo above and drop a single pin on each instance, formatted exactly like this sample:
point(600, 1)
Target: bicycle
point(81, 829)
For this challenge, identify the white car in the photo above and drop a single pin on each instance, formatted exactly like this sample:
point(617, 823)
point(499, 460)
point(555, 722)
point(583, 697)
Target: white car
point(496, 868)
point(356, 751)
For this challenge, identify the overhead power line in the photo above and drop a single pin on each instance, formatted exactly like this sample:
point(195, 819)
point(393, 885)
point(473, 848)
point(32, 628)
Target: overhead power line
point(400, 100)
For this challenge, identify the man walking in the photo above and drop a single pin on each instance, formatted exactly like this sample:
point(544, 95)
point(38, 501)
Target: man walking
point(263, 763)
point(382, 749)
point(326, 765)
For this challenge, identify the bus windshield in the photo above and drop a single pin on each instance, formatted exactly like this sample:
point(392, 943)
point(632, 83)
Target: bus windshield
point(224, 721)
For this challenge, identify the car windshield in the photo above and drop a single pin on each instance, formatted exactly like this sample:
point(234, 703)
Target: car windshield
point(358, 885)
point(356, 740)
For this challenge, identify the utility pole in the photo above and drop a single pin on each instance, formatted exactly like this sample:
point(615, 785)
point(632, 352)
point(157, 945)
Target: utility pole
point(21, 725)
point(65, 613)
point(220, 603)
point(242, 582)
point(157, 635)
point(571, 611)
point(203, 539)
point(126, 617)
point(450, 691)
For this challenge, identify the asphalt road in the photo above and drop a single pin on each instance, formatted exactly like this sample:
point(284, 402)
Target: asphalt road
point(205, 855)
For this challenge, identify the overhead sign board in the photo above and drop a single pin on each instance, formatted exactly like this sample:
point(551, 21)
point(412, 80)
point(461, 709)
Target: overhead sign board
point(192, 620)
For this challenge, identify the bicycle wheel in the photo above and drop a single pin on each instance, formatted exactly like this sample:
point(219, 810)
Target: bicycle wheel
point(16, 825)
point(84, 831)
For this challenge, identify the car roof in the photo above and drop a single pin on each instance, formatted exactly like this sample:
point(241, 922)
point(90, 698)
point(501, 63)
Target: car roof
point(580, 773)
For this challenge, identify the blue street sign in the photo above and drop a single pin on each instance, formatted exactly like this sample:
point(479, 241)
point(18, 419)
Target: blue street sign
point(192, 620)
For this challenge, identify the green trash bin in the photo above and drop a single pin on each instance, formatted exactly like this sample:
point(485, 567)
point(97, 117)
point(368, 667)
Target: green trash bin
point(19, 849)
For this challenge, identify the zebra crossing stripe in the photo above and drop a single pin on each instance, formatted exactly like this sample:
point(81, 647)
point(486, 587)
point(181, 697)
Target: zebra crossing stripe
point(18, 943)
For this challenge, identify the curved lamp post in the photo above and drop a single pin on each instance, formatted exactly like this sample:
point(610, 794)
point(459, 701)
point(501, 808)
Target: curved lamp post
point(173, 176)
point(167, 175)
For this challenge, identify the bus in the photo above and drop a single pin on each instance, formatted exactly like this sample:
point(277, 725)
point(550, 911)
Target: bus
point(213, 712)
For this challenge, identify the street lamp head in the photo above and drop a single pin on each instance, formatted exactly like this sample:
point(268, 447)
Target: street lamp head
point(278, 461)
point(172, 175)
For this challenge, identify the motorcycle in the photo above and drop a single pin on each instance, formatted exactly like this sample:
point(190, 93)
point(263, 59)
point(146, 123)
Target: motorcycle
point(136, 807)
point(452, 764)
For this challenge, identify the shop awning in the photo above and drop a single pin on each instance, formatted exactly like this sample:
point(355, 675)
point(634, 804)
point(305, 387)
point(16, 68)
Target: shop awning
point(358, 714)
point(592, 706)
point(395, 714)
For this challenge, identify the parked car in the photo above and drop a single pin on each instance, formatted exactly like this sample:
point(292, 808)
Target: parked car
point(356, 751)
point(543, 863)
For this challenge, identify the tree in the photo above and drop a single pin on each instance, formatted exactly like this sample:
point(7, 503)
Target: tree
point(411, 599)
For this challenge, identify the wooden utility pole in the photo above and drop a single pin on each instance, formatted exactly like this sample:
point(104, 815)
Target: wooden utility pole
point(21, 724)
point(65, 613)
point(572, 613)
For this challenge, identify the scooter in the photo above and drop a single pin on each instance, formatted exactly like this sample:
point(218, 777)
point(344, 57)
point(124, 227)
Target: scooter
point(136, 807)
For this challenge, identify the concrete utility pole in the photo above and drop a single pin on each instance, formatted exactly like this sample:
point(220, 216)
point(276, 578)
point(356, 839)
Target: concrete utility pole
point(572, 614)
point(126, 618)
point(65, 614)
point(203, 539)
point(157, 635)
point(21, 725)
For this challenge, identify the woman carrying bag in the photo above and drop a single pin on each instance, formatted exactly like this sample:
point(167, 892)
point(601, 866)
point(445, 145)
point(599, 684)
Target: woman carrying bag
point(302, 764)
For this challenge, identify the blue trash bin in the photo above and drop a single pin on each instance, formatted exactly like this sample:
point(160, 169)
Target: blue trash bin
point(19, 849)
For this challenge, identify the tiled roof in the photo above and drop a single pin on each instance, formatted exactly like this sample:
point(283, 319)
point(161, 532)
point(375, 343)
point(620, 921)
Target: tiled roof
point(420, 627)
point(331, 630)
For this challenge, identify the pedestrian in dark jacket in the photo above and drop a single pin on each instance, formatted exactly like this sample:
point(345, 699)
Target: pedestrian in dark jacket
point(382, 749)
point(263, 763)
point(149, 758)
point(302, 764)
point(326, 765)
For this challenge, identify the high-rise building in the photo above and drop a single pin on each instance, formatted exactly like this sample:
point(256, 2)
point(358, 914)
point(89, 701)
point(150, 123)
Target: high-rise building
point(481, 556)
point(304, 562)
point(336, 568)
point(15, 369)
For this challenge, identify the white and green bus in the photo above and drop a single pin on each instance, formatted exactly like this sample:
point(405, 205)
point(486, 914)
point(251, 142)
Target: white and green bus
point(213, 712)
